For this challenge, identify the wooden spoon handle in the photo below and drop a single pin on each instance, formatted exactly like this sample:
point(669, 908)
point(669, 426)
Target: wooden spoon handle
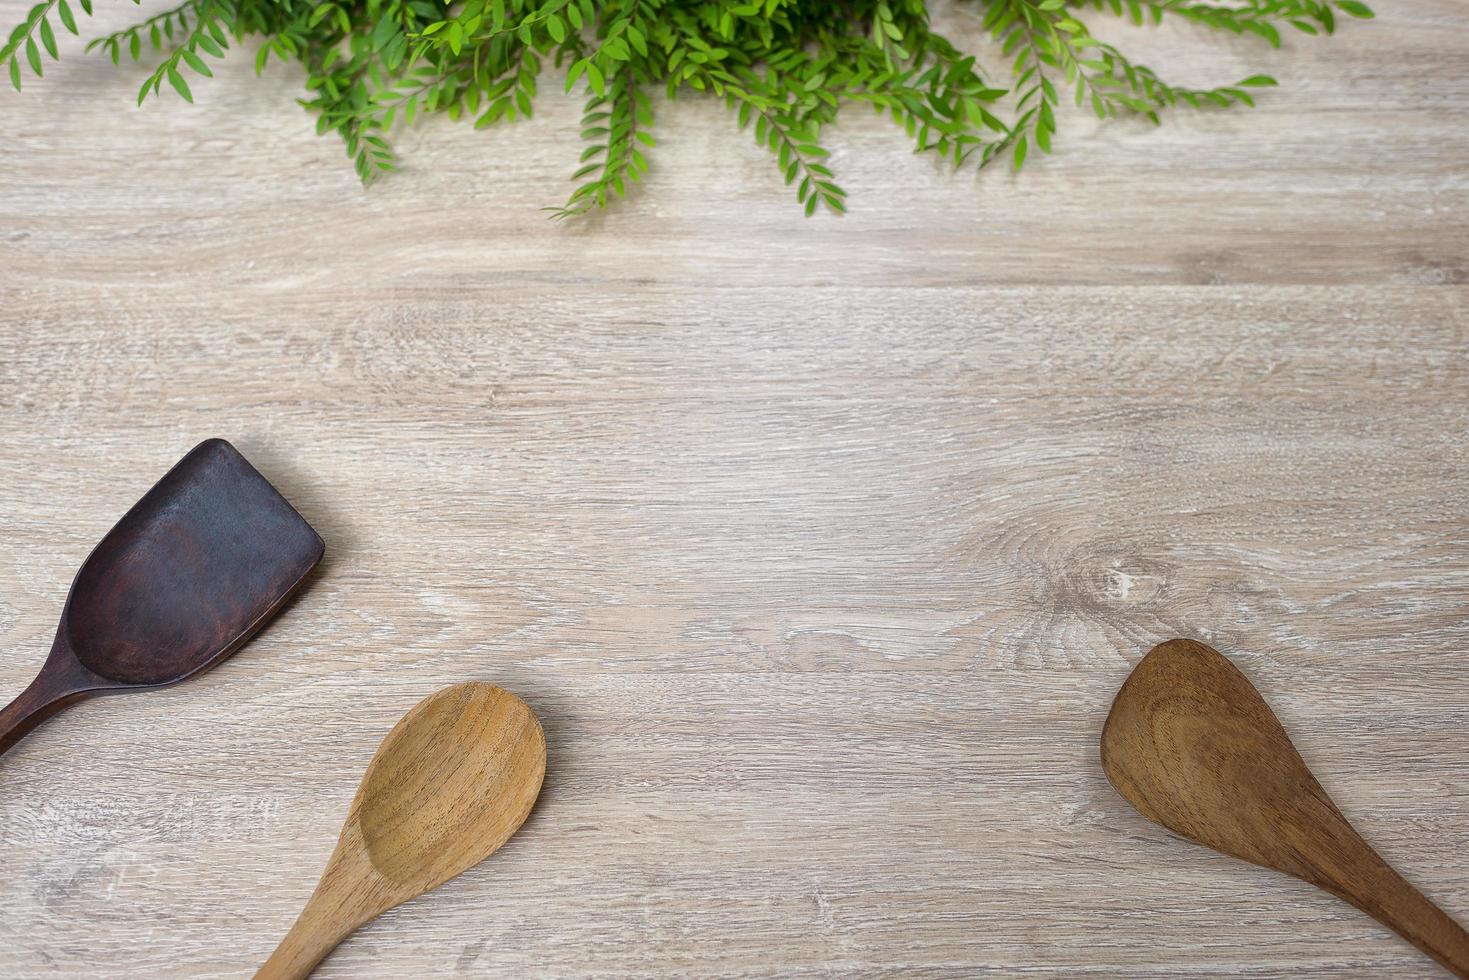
point(45, 696)
point(1377, 889)
point(307, 944)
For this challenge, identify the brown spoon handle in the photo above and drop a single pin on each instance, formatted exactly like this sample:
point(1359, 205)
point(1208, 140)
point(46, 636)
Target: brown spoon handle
point(1363, 878)
point(344, 899)
point(47, 694)
point(62, 682)
point(306, 945)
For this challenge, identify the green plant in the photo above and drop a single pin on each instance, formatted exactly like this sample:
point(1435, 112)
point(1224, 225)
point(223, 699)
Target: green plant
point(784, 67)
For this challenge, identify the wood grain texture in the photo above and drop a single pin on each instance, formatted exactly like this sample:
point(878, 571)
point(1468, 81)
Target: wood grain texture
point(1190, 744)
point(820, 548)
point(446, 789)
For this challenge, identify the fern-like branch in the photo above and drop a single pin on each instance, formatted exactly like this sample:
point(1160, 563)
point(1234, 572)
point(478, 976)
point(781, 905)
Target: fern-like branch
point(785, 67)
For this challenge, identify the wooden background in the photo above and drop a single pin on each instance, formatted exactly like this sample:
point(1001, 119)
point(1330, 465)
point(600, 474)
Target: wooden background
point(820, 547)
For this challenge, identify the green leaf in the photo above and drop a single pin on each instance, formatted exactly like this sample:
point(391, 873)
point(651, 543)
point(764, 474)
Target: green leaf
point(1266, 30)
point(556, 28)
point(382, 31)
point(1259, 81)
point(15, 73)
point(197, 63)
point(578, 67)
point(1355, 8)
point(33, 56)
point(63, 10)
point(1019, 155)
point(48, 38)
point(179, 85)
point(639, 43)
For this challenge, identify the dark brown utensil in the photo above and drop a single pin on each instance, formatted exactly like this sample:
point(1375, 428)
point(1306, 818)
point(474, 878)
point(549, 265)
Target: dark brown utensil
point(1193, 746)
point(184, 579)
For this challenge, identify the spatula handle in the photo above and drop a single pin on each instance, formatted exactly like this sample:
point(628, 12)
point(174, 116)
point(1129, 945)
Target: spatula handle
point(46, 695)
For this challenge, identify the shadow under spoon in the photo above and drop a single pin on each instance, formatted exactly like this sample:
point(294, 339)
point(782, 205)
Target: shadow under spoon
point(1193, 746)
point(449, 785)
point(201, 562)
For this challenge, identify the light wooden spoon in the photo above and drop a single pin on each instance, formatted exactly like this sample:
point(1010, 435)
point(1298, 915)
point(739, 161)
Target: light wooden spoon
point(452, 781)
point(1193, 746)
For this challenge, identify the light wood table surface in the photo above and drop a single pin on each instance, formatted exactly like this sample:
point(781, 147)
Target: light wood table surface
point(820, 547)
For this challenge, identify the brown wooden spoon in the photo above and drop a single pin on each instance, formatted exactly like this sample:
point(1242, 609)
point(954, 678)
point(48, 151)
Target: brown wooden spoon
point(187, 576)
point(452, 781)
point(1193, 746)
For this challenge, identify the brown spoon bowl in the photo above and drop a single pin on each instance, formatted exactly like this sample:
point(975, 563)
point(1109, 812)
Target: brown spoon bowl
point(190, 573)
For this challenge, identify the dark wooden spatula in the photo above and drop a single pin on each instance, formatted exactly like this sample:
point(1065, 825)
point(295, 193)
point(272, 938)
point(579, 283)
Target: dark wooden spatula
point(1192, 745)
point(187, 576)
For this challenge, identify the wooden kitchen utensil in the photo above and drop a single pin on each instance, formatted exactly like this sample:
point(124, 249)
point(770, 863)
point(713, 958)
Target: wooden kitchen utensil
point(187, 576)
point(1193, 746)
point(452, 781)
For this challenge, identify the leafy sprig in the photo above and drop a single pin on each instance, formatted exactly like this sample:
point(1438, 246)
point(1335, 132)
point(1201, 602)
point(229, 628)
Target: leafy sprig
point(616, 124)
point(158, 29)
point(784, 67)
point(206, 37)
point(37, 27)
